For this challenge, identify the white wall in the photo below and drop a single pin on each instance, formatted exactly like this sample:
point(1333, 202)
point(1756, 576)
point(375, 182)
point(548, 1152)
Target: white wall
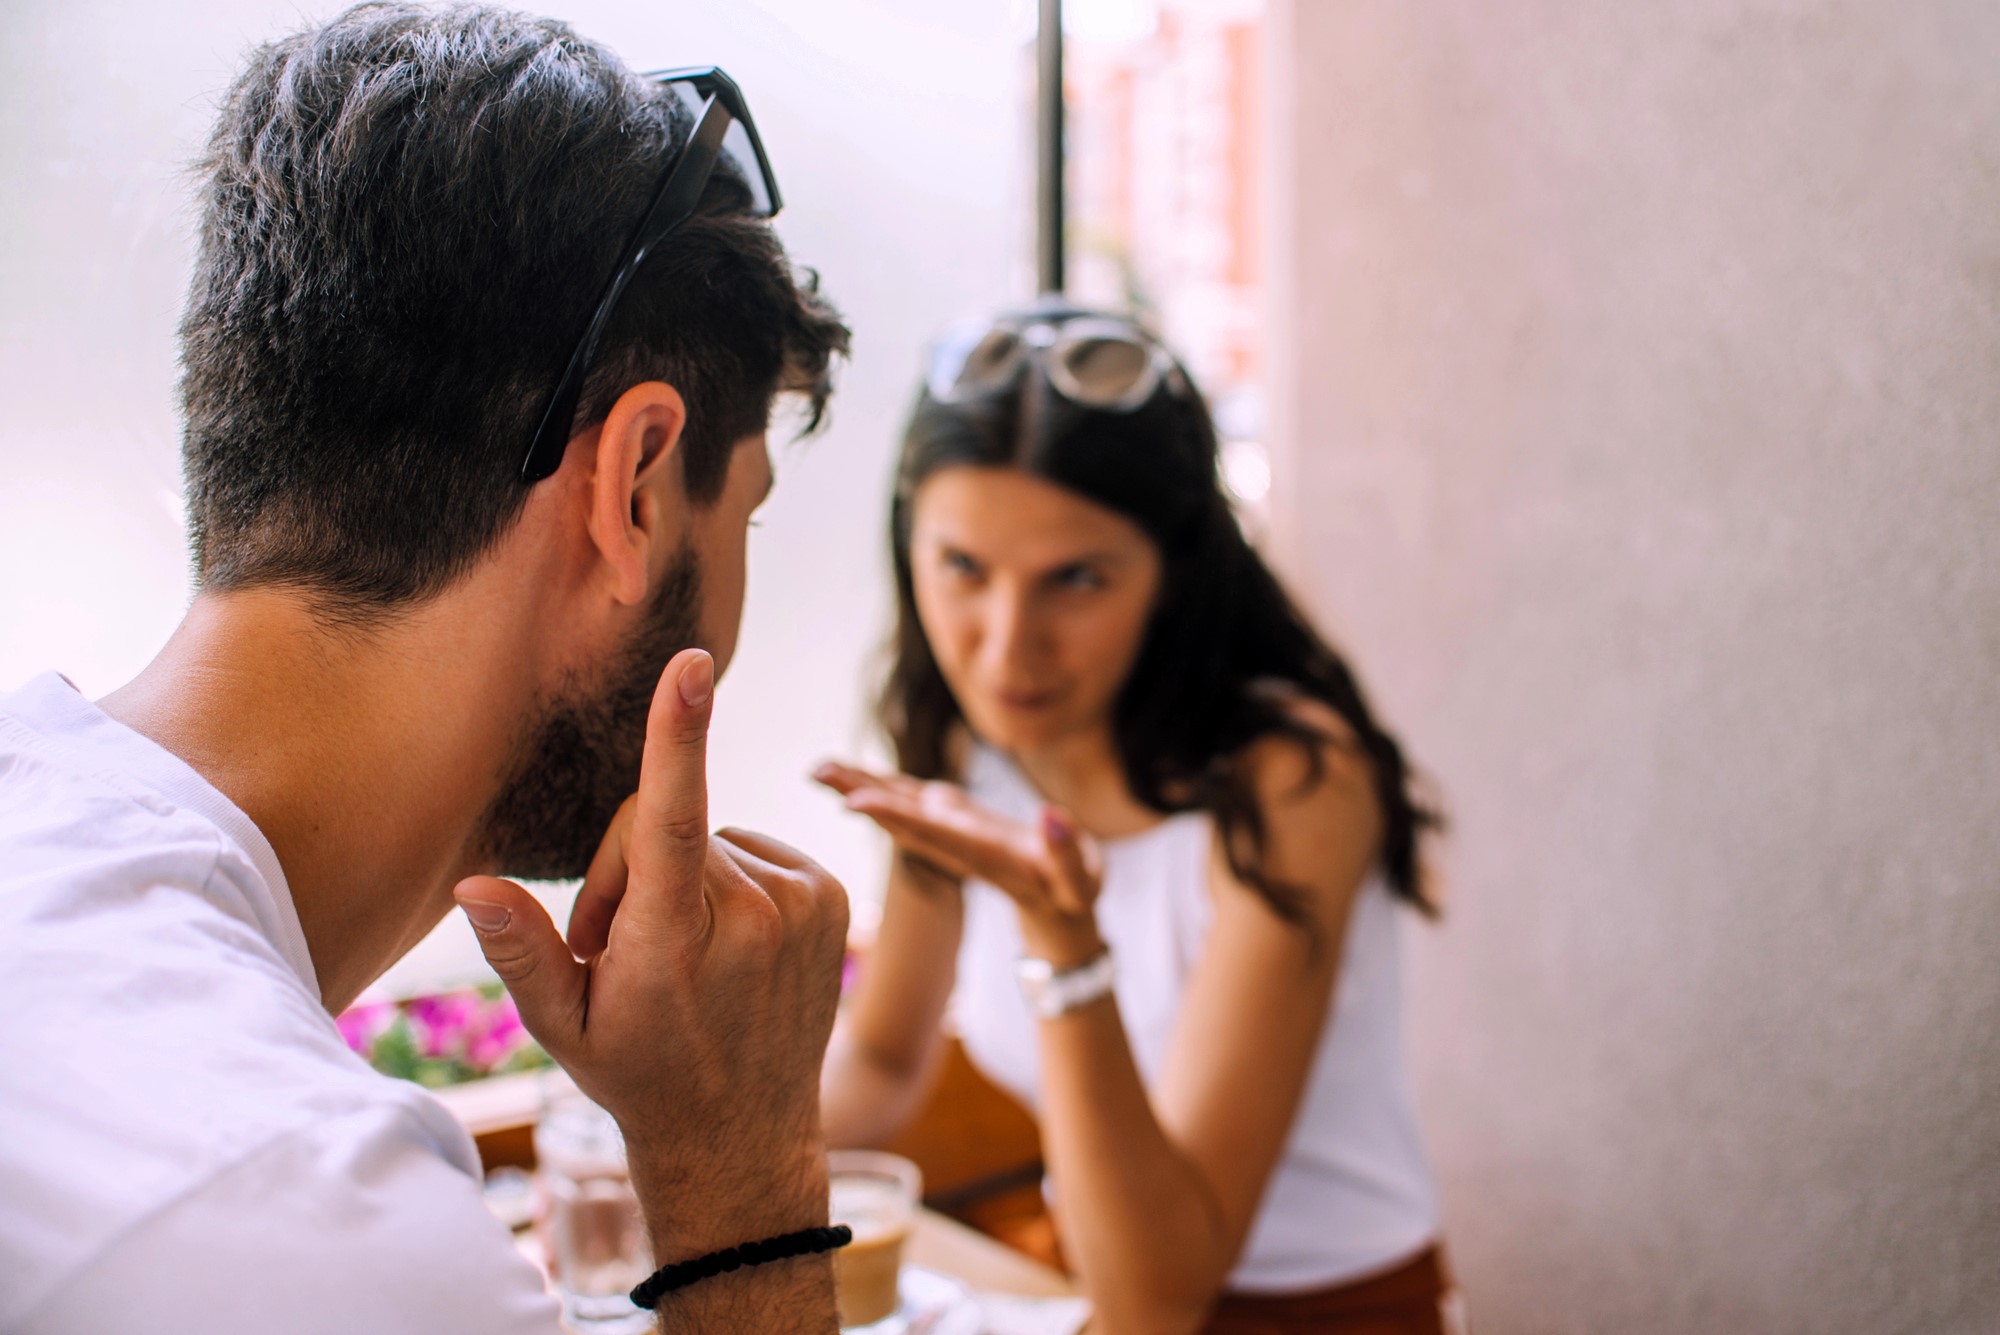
point(1640, 393)
point(892, 125)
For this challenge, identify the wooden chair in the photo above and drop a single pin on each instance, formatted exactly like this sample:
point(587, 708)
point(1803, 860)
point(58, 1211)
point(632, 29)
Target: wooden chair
point(981, 1155)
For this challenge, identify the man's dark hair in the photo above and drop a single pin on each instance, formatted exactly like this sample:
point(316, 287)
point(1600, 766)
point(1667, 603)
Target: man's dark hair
point(408, 215)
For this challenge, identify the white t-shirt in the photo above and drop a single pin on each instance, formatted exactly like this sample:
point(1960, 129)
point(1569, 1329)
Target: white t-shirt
point(186, 1144)
point(1351, 1194)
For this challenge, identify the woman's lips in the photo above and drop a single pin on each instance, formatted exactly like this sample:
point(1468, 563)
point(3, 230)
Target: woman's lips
point(1026, 701)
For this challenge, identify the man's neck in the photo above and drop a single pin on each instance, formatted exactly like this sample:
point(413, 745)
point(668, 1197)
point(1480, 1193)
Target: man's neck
point(367, 758)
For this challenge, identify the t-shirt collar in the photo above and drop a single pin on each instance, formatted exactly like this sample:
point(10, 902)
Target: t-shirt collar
point(92, 740)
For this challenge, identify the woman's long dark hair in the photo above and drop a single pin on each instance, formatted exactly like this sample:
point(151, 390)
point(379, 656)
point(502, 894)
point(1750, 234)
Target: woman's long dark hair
point(1223, 633)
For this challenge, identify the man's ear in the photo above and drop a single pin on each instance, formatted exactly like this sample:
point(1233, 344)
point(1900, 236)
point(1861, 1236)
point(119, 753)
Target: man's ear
point(638, 491)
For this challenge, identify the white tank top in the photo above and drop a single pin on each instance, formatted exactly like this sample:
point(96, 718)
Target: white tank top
point(1352, 1193)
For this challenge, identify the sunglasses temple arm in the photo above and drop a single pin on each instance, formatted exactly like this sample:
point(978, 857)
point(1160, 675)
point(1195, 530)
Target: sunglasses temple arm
point(676, 202)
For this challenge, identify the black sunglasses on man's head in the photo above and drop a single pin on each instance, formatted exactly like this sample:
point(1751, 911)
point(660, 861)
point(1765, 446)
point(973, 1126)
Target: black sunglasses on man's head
point(722, 126)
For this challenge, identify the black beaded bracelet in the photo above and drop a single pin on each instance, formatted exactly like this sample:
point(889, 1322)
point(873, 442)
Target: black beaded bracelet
point(805, 1242)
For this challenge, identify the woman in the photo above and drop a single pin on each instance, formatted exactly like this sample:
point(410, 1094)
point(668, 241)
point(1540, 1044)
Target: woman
point(1148, 830)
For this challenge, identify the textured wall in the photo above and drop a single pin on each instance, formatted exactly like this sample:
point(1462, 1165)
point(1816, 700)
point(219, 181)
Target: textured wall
point(1638, 427)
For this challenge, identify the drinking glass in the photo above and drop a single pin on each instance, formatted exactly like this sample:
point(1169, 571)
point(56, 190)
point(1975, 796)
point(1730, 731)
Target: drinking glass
point(589, 1217)
point(876, 1195)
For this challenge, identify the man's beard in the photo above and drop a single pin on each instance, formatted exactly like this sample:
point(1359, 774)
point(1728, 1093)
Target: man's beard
point(579, 758)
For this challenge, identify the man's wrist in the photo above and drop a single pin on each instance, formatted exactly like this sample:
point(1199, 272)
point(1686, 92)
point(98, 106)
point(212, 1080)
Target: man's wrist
point(699, 1201)
point(789, 1297)
point(733, 1196)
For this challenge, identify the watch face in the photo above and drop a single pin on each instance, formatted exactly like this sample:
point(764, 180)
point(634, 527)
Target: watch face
point(1049, 993)
point(1034, 970)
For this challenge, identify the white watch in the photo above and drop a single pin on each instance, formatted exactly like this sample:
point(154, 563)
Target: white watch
point(1051, 991)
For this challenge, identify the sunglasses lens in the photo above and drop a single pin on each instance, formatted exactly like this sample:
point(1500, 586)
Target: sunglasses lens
point(1103, 371)
point(739, 155)
point(992, 358)
point(973, 361)
point(690, 102)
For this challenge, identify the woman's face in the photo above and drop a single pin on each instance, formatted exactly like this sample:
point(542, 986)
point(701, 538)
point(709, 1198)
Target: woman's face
point(1034, 601)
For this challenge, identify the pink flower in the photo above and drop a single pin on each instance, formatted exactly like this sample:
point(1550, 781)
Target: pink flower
point(495, 1036)
point(362, 1024)
point(442, 1023)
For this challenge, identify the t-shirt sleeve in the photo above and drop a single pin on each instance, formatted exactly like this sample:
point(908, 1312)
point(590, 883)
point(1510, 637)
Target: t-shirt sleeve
point(355, 1224)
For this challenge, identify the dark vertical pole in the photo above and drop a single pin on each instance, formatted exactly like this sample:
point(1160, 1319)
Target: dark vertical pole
point(1049, 148)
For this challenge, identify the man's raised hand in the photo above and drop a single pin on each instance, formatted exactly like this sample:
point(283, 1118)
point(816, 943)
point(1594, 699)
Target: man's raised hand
point(699, 1012)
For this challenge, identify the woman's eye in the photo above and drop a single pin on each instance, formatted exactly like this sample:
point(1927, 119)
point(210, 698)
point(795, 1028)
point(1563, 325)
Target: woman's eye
point(1079, 577)
point(960, 564)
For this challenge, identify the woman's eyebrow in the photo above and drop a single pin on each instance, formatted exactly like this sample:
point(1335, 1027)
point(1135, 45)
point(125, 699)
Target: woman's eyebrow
point(1095, 557)
point(1108, 556)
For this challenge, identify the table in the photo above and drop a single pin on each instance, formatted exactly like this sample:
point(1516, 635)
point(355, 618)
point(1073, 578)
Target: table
point(939, 1243)
point(986, 1267)
point(499, 1113)
point(945, 1245)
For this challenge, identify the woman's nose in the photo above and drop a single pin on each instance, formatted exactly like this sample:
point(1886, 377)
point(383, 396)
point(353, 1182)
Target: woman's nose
point(1013, 640)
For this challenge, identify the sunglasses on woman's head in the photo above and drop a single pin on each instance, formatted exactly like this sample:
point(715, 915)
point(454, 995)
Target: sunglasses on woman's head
point(1094, 361)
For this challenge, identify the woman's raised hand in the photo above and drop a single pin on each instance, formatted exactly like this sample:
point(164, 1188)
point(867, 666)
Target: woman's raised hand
point(1051, 869)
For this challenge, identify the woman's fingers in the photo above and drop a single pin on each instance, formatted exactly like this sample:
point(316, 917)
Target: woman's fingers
point(1076, 864)
point(910, 837)
point(989, 848)
point(846, 779)
point(941, 823)
point(911, 827)
point(843, 779)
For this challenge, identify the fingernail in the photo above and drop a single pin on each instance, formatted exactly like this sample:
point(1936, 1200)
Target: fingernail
point(1056, 826)
point(484, 917)
point(698, 681)
point(825, 771)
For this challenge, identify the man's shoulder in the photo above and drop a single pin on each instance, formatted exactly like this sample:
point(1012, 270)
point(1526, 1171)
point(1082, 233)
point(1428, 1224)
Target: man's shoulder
point(185, 1102)
point(83, 849)
point(158, 1042)
point(133, 964)
point(353, 1221)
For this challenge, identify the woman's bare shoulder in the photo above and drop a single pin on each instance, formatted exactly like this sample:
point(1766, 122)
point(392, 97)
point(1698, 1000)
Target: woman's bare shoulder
point(1314, 789)
point(1318, 754)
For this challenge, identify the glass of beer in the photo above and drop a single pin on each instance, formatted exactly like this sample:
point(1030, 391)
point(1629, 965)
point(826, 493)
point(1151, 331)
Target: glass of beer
point(876, 1195)
point(588, 1217)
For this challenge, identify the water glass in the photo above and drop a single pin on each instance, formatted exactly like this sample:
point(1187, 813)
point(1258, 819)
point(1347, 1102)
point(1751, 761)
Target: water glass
point(589, 1217)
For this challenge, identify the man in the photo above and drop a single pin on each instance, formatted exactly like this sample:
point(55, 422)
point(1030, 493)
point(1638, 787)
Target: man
point(409, 668)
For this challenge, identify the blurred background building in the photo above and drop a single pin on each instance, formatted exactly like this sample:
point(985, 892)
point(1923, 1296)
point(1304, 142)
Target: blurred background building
point(1167, 120)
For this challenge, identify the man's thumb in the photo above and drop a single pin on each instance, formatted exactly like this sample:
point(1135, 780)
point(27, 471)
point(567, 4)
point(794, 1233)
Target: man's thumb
point(523, 946)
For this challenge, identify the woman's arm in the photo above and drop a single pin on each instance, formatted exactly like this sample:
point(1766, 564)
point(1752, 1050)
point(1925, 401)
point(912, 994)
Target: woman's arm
point(884, 1051)
point(1156, 1195)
